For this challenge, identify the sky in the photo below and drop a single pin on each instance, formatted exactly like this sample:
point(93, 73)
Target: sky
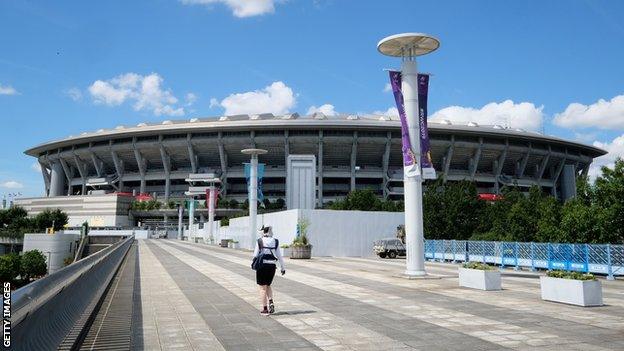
point(68, 67)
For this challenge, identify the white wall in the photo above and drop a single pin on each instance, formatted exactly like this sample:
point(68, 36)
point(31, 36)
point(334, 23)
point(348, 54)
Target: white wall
point(332, 233)
point(349, 233)
point(55, 247)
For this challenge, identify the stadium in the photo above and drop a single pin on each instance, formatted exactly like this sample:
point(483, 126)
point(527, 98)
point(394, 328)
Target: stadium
point(352, 152)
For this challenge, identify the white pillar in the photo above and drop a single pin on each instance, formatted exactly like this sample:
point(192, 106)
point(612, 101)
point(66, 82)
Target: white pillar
point(180, 214)
point(191, 219)
point(57, 179)
point(253, 199)
point(414, 240)
point(211, 210)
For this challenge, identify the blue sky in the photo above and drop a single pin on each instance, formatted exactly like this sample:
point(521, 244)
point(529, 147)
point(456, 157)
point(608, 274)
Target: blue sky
point(73, 66)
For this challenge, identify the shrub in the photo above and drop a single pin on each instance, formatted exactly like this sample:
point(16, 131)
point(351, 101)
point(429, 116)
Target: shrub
point(284, 246)
point(9, 267)
point(570, 275)
point(479, 266)
point(33, 265)
point(68, 260)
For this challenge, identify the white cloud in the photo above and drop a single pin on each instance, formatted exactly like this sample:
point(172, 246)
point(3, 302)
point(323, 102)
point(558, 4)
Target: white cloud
point(11, 184)
point(326, 109)
point(146, 92)
point(276, 98)
point(601, 114)
point(190, 99)
point(74, 94)
point(7, 90)
point(615, 149)
point(507, 113)
point(391, 112)
point(240, 8)
point(387, 88)
point(36, 167)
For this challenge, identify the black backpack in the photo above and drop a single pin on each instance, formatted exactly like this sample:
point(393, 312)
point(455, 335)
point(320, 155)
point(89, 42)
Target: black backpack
point(258, 261)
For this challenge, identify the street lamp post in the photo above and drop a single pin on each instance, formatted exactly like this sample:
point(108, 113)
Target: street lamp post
point(253, 191)
point(408, 46)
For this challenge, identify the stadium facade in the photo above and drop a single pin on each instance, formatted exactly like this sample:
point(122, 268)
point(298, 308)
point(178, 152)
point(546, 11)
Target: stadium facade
point(352, 152)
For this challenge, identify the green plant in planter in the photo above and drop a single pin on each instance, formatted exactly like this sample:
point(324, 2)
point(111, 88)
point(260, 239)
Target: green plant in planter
point(478, 265)
point(285, 246)
point(302, 239)
point(570, 275)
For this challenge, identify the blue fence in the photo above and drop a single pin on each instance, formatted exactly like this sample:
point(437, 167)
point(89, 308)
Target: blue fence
point(592, 258)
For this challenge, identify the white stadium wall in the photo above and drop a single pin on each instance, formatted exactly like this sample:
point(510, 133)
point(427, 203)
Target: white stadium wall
point(331, 233)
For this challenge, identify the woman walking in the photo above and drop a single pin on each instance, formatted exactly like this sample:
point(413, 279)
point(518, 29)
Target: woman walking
point(267, 250)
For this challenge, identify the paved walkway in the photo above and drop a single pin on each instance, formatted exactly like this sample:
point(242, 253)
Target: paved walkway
point(201, 297)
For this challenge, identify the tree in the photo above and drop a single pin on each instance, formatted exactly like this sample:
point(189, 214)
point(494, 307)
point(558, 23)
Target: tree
point(9, 267)
point(451, 211)
point(49, 218)
point(33, 265)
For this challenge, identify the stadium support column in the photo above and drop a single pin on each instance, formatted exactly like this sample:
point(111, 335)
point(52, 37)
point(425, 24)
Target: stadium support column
point(447, 159)
point(223, 160)
point(141, 165)
point(46, 177)
point(57, 179)
point(166, 161)
point(353, 159)
point(118, 168)
point(68, 175)
point(413, 185)
point(385, 164)
point(320, 170)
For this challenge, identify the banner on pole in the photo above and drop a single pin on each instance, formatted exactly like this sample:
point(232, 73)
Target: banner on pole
point(428, 171)
point(411, 168)
point(260, 175)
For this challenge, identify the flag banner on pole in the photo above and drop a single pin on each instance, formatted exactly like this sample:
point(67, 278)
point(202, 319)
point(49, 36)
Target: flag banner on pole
point(410, 166)
point(428, 171)
point(260, 175)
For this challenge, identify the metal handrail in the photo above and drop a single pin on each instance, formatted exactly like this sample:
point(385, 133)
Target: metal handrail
point(32, 296)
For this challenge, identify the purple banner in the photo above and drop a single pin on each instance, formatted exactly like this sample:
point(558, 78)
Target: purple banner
point(409, 158)
point(425, 147)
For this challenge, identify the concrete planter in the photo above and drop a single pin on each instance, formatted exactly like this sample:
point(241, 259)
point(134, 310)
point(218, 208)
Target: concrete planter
point(479, 279)
point(301, 252)
point(224, 243)
point(234, 245)
point(574, 292)
point(285, 251)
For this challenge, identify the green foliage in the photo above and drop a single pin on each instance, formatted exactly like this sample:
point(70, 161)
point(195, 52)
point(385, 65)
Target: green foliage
point(149, 205)
point(225, 221)
point(46, 218)
point(479, 266)
point(9, 267)
point(33, 265)
point(570, 275)
point(365, 200)
point(284, 246)
point(302, 238)
point(14, 222)
point(68, 260)
point(451, 210)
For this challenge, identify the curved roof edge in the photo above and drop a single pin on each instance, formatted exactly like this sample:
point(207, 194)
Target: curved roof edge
point(269, 121)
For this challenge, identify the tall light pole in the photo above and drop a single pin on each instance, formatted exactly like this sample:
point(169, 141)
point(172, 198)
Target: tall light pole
point(253, 192)
point(408, 46)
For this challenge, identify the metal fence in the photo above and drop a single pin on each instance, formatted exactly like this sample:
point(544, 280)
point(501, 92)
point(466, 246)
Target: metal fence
point(47, 312)
point(591, 258)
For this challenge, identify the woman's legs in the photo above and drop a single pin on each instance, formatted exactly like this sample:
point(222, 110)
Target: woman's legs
point(269, 292)
point(263, 295)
